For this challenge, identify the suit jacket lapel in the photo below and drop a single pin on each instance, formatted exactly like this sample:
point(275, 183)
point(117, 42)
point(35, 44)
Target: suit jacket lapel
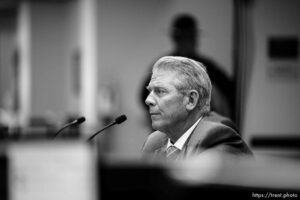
point(194, 142)
point(160, 151)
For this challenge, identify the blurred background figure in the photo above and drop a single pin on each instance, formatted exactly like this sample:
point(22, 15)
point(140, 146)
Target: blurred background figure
point(184, 35)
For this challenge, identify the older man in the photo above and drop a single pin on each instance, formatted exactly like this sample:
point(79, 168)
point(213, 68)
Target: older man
point(179, 106)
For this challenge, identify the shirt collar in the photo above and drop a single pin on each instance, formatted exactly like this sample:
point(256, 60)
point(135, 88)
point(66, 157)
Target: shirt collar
point(181, 141)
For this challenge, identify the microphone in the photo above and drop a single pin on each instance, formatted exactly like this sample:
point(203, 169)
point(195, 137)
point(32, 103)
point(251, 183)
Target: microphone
point(72, 123)
point(118, 120)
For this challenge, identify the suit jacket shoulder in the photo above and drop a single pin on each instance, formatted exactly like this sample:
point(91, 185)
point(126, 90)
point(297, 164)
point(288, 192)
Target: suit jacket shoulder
point(217, 133)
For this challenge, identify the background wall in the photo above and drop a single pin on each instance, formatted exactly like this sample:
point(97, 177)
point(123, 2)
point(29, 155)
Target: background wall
point(273, 105)
point(52, 45)
point(49, 60)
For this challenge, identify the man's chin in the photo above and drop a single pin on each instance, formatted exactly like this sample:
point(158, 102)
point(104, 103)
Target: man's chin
point(157, 126)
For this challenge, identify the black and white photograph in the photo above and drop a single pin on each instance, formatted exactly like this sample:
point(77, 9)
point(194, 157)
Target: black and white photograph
point(149, 99)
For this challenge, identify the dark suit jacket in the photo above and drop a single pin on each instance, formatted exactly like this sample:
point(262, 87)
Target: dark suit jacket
point(214, 133)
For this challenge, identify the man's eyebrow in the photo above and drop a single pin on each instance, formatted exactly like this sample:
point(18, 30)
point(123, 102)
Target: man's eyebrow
point(152, 87)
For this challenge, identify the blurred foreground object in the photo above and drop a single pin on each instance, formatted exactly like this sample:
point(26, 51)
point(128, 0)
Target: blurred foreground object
point(208, 177)
point(67, 169)
point(51, 170)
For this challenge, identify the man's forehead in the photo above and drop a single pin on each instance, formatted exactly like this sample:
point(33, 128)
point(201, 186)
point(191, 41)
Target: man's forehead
point(162, 73)
point(162, 77)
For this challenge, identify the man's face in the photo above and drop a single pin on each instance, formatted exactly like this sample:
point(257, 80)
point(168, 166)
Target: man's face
point(166, 103)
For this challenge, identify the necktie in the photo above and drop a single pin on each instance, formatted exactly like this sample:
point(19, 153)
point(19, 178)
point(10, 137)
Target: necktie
point(172, 152)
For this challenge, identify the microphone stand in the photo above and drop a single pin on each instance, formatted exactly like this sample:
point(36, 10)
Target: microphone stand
point(60, 130)
point(109, 125)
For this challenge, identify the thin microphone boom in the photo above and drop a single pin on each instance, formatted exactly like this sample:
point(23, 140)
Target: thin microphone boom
point(74, 122)
point(118, 120)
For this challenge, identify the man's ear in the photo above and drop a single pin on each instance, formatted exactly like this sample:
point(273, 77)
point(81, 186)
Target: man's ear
point(192, 99)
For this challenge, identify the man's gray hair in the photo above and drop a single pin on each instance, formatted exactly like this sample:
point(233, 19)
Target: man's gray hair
point(191, 74)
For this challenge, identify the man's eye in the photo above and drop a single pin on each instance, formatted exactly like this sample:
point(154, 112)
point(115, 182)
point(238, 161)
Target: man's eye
point(160, 91)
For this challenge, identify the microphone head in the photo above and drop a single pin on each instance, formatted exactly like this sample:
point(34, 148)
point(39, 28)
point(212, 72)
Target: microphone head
point(120, 119)
point(80, 120)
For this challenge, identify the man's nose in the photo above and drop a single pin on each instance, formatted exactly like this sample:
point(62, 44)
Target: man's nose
point(150, 100)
